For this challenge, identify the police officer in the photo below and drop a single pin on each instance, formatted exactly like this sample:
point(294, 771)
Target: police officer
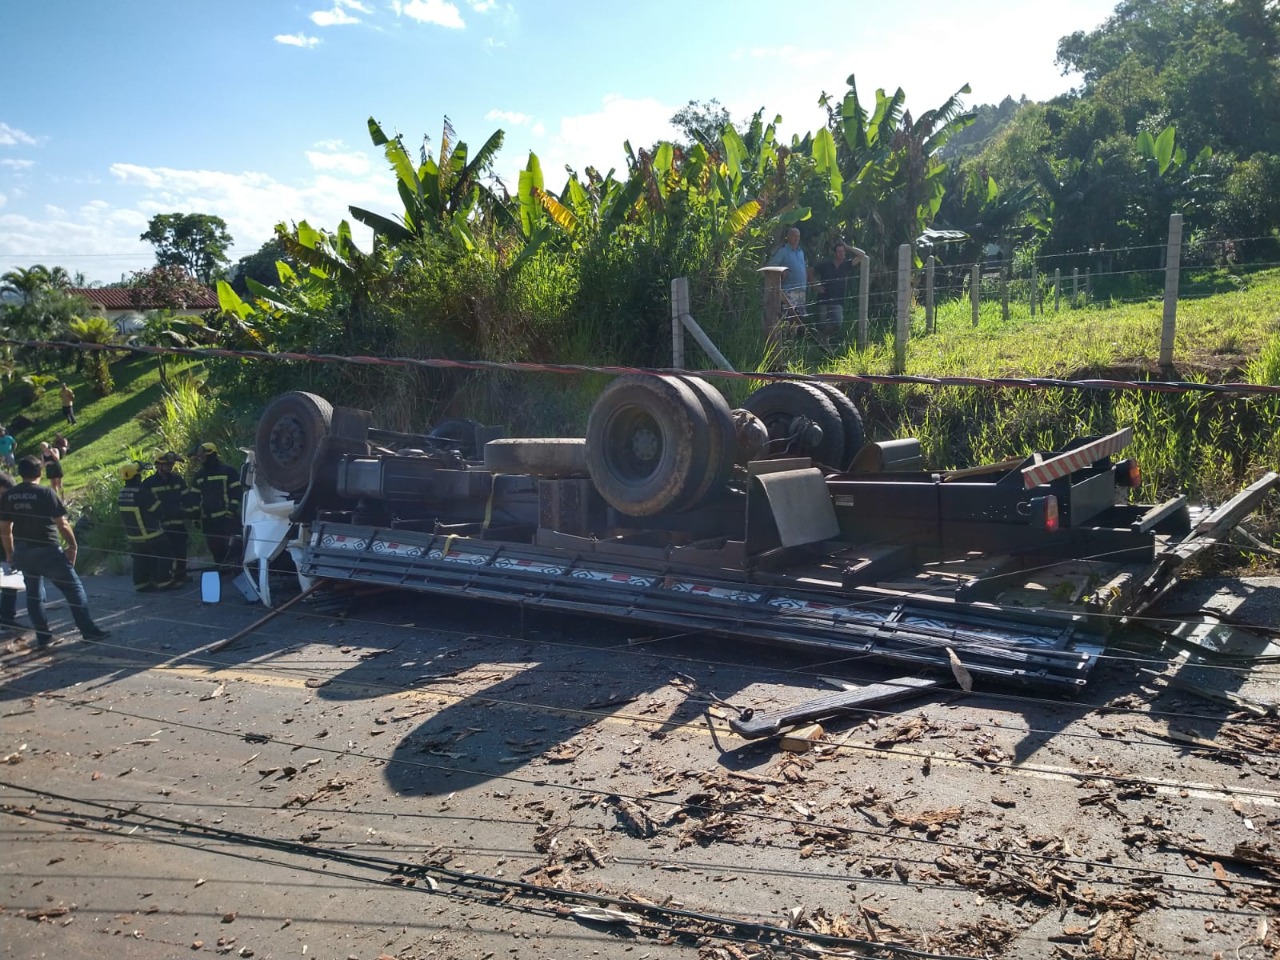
point(177, 500)
point(220, 493)
point(32, 518)
point(144, 527)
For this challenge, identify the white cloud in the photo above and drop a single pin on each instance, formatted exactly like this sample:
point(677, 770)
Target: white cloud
point(595, 139)
point(12, 136)
point(509, 116)
point(353, 163)
point(3, 199)
point(337, 17)
point(440, 12)
point(296, 40)
point(491, 44)
point(102, 238)
point(482, 6)
point(17, 164)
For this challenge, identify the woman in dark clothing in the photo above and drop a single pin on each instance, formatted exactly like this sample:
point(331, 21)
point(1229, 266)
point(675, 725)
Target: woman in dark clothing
point(52, 466)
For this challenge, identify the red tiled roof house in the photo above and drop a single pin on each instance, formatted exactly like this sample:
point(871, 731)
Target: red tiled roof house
point(122, 306)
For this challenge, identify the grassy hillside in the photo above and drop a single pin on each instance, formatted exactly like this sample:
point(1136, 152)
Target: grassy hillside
point(107, 428)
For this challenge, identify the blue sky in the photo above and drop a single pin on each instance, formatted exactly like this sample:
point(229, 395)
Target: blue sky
point(256, 110)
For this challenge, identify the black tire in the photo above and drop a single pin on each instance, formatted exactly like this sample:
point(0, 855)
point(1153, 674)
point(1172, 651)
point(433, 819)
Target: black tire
point(647, 444)
point(781, 402)
point(458, 433)
point(722, 440)
point(289, 434)
point(548, 459)
point(854, 435)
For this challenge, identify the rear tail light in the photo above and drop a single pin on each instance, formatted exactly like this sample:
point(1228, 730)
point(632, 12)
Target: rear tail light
point(1044, 513)
point(1128, 474)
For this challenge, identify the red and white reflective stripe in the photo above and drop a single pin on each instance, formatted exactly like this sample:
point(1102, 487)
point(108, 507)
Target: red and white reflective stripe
point(1077, 459)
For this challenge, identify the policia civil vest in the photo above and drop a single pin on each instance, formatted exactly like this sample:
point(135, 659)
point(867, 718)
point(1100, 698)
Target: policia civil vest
point(139, 512)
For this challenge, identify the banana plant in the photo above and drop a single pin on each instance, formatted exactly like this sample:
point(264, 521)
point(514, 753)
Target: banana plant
point(439, 194)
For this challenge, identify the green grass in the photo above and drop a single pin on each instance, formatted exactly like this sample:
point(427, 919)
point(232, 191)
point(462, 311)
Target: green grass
point(108, 430)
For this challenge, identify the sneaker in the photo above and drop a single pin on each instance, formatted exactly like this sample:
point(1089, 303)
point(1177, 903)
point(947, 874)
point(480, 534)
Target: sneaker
point(96, 634)
point(43, 641)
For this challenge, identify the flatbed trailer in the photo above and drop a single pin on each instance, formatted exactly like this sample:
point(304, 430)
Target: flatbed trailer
point(1008, 573)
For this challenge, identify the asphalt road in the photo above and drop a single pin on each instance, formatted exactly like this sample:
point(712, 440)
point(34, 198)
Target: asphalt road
point(425, 778)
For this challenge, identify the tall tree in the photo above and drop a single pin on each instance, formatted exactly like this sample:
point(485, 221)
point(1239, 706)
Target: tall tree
point(197, 242)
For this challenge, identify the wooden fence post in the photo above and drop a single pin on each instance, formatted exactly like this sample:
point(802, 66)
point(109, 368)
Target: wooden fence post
point(1172, 269)
point(1004, 290)
point(904, 309)
point(1088, 286)
point(864, 300)
point(1075, 287)
point(928, 294)
point(772, 298)
point(1057, 289)
point(975, 290)
point(679, 307)
point(1034, 288)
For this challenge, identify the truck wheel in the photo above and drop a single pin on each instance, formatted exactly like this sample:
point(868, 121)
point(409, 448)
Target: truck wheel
point(723, 440)
point(849, 417)
point(289, 434)
point(647, 444)
point(549, 459)
point(780, 403)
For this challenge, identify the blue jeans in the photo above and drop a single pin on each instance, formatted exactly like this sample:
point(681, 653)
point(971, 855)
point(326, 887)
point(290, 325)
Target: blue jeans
point(40, 562)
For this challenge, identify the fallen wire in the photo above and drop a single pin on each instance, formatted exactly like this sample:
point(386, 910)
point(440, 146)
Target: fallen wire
point(793, 823)
point(468, 879)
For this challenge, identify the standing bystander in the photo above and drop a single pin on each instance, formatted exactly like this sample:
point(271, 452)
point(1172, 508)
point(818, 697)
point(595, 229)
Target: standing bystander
point(68, 402)
point(795, 282)
point(7, 443)
point(32, 518)
point(833, 282)
point(52, 462)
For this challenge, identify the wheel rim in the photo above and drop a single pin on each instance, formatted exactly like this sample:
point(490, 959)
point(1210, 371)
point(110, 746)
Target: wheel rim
point(634, 445)
point(288, 440)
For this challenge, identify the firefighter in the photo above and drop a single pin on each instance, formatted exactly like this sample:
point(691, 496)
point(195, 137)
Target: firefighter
point(176, 502)
point(220, 491)
point(143, 525)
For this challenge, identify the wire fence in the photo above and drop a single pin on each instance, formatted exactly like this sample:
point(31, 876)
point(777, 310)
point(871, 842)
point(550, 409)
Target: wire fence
point(1021, 281)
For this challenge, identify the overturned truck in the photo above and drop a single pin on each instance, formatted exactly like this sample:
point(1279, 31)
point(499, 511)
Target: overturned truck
point(775, 523)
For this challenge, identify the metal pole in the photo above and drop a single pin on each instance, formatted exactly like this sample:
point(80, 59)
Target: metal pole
point(1075, 287)
point(1057, 289)
point(904, 309)
point(928, 294)
point(1173, 264)
point(1034, 291)
point(975, 290)
point(1004, 290)
point(864, 300)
